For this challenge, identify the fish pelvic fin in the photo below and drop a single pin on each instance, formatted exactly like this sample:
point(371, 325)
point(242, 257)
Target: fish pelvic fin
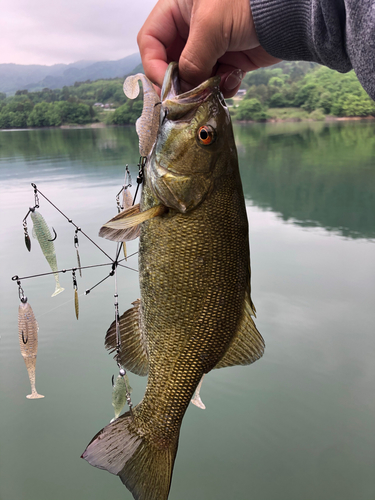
point(196, 399)
point(143, 464)
point(133, 350)
point(125, 226)
point(247, 345)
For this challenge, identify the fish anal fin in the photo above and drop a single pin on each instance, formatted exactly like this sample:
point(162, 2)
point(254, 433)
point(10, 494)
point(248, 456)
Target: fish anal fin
point(247, 345)
point(133, 350)
point(125, 226)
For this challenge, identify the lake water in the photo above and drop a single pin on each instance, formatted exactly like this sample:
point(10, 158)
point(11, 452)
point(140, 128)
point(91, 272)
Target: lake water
point(297, 425)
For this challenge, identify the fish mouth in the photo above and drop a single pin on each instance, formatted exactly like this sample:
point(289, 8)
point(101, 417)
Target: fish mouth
point(171, 95)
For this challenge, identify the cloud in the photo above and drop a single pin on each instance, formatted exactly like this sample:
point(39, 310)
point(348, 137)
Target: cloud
point(65, 31)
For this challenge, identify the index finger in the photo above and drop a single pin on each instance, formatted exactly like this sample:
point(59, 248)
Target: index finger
point(161, 28)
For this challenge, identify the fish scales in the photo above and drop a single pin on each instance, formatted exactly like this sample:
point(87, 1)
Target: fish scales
point(192, 322)
point(194, 269)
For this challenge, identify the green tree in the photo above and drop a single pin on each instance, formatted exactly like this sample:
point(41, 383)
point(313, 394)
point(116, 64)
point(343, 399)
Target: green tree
point(325, 102)
point(277, 81)
point(18, 119)
point(353, 105)
point(250, 109)
point(20, 103)
point(128, 113)
point(278, 101)
point(5, 119)
point(307, 96)
point(78, 113)
point(39, 115)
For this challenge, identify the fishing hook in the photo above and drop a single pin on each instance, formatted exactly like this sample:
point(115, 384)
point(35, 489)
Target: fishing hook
point(23, 338)
point(53, 239)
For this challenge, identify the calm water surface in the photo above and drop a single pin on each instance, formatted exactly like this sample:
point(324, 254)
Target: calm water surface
point(297, 425)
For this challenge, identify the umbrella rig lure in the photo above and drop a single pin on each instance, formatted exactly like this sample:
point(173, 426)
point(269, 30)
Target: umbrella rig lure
point(27, 324)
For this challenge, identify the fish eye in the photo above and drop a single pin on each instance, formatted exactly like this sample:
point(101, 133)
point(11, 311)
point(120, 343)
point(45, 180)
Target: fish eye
point(206, 135)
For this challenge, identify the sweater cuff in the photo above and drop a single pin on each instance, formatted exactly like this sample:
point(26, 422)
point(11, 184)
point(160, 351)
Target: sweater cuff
point(284, 28)
point(303, 30)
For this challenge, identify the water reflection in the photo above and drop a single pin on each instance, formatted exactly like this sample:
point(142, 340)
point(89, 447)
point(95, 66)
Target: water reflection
point(313, 174)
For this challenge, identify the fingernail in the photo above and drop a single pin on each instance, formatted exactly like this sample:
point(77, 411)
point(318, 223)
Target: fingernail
point(233, 79)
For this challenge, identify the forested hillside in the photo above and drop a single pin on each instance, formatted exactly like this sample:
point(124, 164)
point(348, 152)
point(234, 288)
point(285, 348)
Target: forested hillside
point(71, 105)
point(289, 90)
point(302, 90)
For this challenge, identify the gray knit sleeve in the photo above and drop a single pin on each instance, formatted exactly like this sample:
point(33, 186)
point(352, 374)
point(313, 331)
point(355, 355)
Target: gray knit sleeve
point(339, 34)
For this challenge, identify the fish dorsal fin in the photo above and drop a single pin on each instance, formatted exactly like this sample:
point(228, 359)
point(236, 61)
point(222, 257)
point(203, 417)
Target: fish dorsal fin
point(247, 345)
point(133, 353)
point(125, 226)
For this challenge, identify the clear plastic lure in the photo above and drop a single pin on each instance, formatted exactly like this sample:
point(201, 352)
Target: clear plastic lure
point(147, 124)
point(28, 339)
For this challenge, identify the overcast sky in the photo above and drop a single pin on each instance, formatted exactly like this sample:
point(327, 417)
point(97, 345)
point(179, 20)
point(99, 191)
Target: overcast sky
point(66, 31)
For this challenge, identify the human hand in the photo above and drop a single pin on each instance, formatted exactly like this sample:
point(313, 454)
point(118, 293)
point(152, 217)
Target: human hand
point(215, 37)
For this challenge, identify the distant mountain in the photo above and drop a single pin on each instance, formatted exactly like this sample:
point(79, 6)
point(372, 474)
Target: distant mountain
point(34, 77)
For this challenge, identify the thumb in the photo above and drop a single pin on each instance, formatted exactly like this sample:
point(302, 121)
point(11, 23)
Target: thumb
point(203, 48)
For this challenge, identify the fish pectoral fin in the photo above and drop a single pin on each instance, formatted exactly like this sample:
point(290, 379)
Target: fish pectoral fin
point(247, 345)
point(123, 234)
point(133, 349)
point(125, 226)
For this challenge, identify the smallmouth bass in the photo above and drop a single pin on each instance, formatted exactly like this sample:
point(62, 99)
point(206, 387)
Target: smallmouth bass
point(195, 312)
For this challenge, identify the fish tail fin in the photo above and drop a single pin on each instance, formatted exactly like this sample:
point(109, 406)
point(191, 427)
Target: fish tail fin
point(143, 464)
point(34, 395)
point(58, 290)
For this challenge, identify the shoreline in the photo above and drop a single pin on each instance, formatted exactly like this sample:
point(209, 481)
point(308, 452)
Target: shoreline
point(327, 118)
point(99, 125)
